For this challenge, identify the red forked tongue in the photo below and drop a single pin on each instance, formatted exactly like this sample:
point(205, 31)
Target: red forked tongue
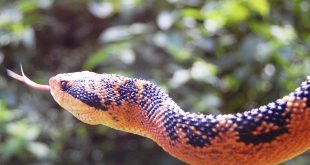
point(23, 78)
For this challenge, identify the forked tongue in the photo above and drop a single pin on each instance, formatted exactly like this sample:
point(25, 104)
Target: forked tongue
point(23, 78)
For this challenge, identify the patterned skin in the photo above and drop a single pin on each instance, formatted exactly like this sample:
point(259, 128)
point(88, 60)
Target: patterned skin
point(269, 134)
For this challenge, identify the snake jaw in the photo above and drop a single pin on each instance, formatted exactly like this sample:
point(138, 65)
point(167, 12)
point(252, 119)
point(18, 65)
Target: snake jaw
point(23, 78)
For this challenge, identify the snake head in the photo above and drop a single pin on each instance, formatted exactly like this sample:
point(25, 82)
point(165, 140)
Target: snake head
point(98, 98)
point(80, 94)
point(101, 99)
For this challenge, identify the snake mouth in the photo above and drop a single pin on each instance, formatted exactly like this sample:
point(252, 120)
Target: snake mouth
point(23, 78)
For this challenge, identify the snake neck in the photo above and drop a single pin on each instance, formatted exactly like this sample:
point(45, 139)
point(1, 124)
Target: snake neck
point(171, 123)
point(254, 127)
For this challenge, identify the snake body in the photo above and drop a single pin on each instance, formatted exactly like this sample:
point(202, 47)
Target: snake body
point(266, 135)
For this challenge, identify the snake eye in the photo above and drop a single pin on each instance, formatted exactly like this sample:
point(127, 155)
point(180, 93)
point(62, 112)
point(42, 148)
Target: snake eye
point(64, 84)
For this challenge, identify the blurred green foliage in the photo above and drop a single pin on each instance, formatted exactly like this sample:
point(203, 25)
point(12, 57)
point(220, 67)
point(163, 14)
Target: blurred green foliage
point(211, 56)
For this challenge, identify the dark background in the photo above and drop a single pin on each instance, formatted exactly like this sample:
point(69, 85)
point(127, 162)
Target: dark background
point(211, 56)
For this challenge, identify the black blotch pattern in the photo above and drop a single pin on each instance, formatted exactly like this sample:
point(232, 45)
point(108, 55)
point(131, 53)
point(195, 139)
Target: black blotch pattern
point(170, 122)
point(272, 113)
point(152, 97)
point(127, 91)
point(78, 91)
point(194, 139)
point(204, 125)
point(109, 98)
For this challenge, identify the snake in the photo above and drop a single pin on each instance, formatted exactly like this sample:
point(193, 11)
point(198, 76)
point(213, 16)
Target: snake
point(269, 134)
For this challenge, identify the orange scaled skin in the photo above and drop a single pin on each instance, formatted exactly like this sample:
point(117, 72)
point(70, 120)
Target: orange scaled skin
point(224, 145)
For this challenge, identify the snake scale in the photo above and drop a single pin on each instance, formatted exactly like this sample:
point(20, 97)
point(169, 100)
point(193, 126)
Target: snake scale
point(270, 134)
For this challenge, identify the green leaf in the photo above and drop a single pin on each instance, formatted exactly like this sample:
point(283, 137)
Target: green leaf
point(96, 59)
point(4, 112)
point(191, 12)
point(235, 11)
point(103, 54)
point(12, 146)
point(27, 6)
point(180, 54)
point(260, 6)
point(262, 29)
